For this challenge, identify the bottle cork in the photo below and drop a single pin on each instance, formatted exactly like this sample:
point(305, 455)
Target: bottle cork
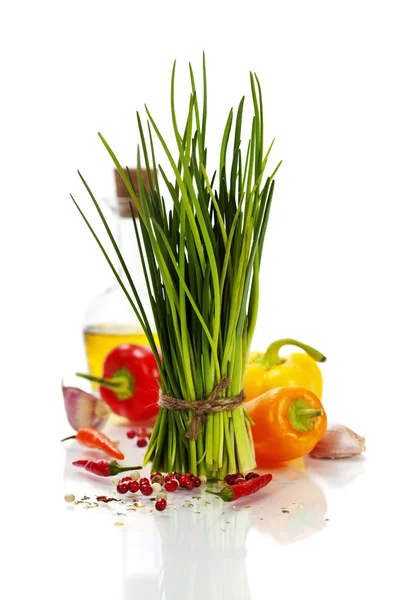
point(123, 195)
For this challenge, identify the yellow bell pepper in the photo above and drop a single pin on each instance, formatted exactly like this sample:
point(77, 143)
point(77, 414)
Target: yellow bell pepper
point(268, 371)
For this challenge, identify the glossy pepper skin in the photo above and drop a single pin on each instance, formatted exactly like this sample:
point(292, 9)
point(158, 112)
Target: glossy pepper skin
point(103, 468)
point(234, 492)
point(268, 371)
point(129, 383)
point(288, 423)
point(90, 437)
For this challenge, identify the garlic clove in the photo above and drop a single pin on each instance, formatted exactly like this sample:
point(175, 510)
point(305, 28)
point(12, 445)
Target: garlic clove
point(83, 409)
point(338, 442)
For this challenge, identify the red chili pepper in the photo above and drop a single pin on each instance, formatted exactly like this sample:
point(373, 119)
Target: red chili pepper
point(104, 468)
point(129, 383)
point(234, 492)
point(89, 436)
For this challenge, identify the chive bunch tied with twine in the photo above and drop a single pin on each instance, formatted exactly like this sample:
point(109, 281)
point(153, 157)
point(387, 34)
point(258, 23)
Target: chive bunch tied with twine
point(201, 259)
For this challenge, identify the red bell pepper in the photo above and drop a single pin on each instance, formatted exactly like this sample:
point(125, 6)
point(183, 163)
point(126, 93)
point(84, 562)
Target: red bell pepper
point(129, 383)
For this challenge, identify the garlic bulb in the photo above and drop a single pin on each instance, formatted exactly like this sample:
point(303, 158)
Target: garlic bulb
point(338, 442)
point(83, 409)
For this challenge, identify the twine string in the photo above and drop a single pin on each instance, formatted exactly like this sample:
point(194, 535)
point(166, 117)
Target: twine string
point(200, 408)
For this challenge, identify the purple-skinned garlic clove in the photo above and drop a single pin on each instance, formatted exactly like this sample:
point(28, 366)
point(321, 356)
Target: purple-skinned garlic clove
point(83, 409)
point(339, 442)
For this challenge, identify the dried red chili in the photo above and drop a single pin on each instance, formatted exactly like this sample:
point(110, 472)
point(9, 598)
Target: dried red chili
point(234, 492)
point(104, 468)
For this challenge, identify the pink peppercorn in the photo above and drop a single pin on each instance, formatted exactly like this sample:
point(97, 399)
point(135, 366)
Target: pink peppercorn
point(171, 485)
point(251, 475)
point(161, 504)
point(122, 488)
point(133, 486)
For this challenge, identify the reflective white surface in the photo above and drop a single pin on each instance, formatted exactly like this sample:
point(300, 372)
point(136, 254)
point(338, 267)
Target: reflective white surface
point(333, 541)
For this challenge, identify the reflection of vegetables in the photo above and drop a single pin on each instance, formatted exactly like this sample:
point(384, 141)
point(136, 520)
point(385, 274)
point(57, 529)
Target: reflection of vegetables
point(267, 371)
point(289, 421)
point(129, 382)
point(239, 490)
point(104, 468)
point(296, 508)
point(89, 436)
point(338, 442)
point(83, 409)
point(219, 540)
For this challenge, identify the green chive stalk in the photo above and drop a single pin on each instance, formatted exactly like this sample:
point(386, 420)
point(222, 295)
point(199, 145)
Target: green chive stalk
point(201, 260)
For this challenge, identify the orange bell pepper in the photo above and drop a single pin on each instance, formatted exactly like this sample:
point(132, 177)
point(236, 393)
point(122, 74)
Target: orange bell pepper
point(288, 422)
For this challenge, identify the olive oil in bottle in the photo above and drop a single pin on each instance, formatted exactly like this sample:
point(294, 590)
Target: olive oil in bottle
point(110, 320)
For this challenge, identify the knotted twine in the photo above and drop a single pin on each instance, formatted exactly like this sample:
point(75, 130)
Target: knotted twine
point(201, 408)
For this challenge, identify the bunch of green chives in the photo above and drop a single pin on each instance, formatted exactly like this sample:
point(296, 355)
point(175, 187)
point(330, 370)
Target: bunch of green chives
point(201, 261)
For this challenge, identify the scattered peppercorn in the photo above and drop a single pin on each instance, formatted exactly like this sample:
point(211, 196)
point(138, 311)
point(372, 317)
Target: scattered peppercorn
point(171, 485)
point(251, 475)
point(184, 480)
point(69, 498)
point(133, 486)
point(122, 488)
point(230, 479)
point(161, 504)
point(158, 479)
point(141, 443)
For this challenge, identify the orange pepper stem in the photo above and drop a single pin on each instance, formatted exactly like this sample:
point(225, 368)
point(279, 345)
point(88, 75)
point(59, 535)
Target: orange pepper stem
point(272, 358)
point(122, 383)
point(301, 415)
point(310, 412)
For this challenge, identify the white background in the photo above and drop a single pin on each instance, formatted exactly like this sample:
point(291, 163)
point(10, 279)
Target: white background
point(329, 74)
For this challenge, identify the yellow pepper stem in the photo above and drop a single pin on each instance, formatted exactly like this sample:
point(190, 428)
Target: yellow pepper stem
point(272, 358)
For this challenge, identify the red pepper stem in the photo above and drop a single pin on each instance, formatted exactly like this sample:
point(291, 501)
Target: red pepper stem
point(71, 437)
point(109, 383)
point(114, 468)
point(272, 358)
point(214, 493)
point(226, 494)
point(122, 383)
